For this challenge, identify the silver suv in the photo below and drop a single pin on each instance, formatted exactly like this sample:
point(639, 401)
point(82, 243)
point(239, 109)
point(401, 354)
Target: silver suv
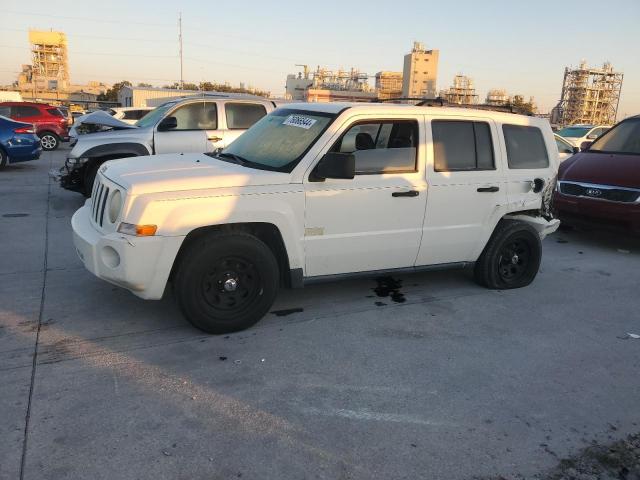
point(189, 125)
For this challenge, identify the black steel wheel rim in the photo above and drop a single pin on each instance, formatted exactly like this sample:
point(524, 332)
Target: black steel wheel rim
point(514, 260)
point(230, 285)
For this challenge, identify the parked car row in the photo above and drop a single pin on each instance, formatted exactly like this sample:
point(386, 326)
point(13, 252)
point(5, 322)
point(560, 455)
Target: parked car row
point(49, 122)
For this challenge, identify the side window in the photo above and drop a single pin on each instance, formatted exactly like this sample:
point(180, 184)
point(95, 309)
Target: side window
point(460, 145)
point(243, 115)
point(196, 116)
point(23, 112)
point(5, 111)
point(525, 147)
point(385, 146)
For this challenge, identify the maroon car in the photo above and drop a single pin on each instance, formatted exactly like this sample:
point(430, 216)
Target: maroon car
point(50, 124)
point(601, 185)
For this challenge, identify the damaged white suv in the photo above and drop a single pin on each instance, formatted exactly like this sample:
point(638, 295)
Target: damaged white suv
point(320, 191)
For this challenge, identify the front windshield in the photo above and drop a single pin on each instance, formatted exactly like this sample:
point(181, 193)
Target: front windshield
point(624, 138)
point(574, 132)
point(154, 116)
point(279, 140)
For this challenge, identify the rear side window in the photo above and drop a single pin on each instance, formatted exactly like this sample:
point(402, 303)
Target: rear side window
point(243, 115)
point(5, 111)
point(55, 112)
point(462, 146)
point(525, 147)
point(22, 111)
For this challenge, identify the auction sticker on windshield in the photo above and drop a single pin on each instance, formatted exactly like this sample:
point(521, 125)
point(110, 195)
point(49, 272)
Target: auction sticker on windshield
point(299, 121)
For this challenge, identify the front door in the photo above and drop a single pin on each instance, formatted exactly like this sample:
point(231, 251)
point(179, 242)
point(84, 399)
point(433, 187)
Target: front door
point(194, 121)
point(373, 221)
point(467, 190)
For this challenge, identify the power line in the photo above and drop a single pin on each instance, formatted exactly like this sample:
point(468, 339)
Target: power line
point(100, 37)
point(86, 19)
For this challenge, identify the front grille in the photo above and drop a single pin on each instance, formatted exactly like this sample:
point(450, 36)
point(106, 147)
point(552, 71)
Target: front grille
point(600, 192)
point(99, 201)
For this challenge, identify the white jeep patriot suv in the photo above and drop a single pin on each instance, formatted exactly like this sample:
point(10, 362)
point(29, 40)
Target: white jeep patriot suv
point(317, 191)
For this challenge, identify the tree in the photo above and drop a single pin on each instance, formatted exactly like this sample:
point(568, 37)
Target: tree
point(144, 85)
point(112, 94)
point(527, 108)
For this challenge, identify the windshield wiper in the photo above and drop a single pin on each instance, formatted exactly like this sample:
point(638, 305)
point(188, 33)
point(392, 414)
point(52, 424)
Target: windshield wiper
point(236, 158)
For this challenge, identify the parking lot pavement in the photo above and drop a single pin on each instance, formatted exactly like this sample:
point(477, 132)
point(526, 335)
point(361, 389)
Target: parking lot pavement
point(453, 382)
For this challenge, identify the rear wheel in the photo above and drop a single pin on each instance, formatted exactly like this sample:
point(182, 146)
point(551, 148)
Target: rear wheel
point(49, 141)
point(512, 257)
point(3, 158)
point(226, 282)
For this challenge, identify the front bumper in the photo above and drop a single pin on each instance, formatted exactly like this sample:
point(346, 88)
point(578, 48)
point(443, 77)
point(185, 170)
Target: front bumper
point(142, 265)
point(70, 178)
point(599, 213)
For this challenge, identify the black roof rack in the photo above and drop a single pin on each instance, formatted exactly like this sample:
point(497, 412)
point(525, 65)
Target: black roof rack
point(441, 102)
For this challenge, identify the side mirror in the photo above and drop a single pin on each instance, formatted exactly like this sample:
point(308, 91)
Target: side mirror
point(585, 145)
point(167, 123)
point(576, 149)
point(336, 165)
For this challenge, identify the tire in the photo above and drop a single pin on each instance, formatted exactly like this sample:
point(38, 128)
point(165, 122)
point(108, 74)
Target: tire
point(90, 173)
point(3, 158)
point(212, 267)
point(49, 141)
point(511, 258)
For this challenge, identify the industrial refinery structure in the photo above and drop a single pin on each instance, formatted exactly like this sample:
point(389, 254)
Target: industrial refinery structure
point(589, 96)
point(462, 92)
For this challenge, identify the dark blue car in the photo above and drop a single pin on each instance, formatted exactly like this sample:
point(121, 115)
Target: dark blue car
point(18, 142)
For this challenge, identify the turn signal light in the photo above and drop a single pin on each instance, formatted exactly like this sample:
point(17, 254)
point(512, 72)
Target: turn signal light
point(137, 230)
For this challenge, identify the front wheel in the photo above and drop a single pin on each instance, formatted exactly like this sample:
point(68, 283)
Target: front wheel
point(512, 257)
point(226, 282)
point(49, 141)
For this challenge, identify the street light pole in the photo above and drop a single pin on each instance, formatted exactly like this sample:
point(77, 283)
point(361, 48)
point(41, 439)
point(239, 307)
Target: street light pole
point(180, 41)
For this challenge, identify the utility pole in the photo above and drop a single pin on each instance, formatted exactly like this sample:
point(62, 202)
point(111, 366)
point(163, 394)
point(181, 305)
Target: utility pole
point(180, 41)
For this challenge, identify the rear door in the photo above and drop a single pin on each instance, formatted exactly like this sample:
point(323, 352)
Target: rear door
point(532, 158)
point(236, 117)
point(194, 120)
point(467, 190)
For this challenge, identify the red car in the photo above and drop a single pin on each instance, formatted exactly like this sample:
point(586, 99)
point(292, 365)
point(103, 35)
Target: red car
point(601, 185)
point(50, 124)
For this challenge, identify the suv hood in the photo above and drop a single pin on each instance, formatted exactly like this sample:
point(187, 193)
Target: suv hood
point(173, 172)
point(603, 169)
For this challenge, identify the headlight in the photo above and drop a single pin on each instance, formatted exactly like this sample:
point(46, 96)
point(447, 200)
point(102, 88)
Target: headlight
point(115, 205)
point(77, 161)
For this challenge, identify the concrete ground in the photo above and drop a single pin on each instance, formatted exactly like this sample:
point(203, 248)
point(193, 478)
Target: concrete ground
point(456, 382)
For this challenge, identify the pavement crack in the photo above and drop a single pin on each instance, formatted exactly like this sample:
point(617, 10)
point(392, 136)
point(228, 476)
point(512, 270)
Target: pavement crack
point(40, 313)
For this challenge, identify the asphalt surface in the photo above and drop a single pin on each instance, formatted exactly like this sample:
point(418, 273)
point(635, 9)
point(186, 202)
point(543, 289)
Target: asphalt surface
point(454, 382)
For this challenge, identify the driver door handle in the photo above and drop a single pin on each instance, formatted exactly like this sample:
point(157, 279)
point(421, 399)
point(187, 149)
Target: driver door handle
point(409, 193)
point(489, 189)
point(214, 138)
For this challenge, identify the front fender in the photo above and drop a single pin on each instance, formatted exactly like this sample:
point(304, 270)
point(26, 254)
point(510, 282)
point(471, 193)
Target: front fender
point(128, 149)
point(179, 216)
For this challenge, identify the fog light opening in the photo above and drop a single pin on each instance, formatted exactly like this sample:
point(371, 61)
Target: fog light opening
point(110, 257)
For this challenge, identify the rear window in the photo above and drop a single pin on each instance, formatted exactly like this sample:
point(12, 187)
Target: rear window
point(525, 147)
point(243, 115)
point(55, 112)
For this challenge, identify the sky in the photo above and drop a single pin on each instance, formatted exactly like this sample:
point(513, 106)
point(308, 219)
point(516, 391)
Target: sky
point(522, 47)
